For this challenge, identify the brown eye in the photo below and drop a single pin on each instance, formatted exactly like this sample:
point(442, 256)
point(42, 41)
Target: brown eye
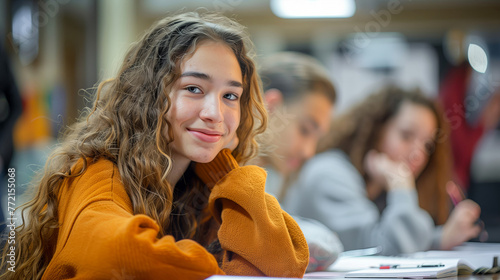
point(193, 89)
point(231, 96)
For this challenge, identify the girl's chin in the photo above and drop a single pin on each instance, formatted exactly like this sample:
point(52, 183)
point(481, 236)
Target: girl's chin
point(203, 157)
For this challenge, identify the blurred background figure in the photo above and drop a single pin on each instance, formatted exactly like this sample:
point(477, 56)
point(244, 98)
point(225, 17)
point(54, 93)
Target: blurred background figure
point(299, 96)
point(10, 110)
point(380, 179)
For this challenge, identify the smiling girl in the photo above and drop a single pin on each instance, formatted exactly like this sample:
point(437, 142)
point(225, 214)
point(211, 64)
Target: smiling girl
point(148, 184)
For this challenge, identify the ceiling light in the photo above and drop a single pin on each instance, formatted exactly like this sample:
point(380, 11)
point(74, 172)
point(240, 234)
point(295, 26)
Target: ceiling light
point(313, 8)
point(477, 58)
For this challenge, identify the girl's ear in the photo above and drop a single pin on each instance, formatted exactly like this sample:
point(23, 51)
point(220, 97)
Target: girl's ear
point(273, 98)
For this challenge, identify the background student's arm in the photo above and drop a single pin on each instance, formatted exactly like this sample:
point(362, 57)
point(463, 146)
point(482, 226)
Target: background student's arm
point(258, 237)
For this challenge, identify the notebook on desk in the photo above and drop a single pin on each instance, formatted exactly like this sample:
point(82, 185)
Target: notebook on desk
point(423, 268)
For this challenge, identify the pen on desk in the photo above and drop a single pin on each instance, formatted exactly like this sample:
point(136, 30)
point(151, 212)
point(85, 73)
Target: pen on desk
point(398, 266)
point(456, 195)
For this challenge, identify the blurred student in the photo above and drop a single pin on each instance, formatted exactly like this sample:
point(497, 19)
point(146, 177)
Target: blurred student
point(380, 178)
point(149, 185)
point(299, 96)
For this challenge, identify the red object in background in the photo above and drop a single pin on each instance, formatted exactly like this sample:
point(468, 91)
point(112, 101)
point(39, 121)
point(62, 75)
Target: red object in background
point(463, 136)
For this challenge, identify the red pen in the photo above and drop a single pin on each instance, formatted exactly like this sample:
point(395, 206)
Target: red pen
point(455, 192)
point(398, 266)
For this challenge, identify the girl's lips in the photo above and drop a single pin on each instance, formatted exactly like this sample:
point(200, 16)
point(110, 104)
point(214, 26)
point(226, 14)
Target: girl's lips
point(205, 135)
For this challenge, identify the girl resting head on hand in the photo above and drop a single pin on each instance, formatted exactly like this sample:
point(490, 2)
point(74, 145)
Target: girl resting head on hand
point(185, 92)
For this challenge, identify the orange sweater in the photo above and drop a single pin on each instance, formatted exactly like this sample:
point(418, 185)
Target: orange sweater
point(100, 238)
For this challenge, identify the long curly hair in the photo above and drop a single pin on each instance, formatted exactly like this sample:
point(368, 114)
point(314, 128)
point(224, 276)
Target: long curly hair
point(126, 126)
point(359, 130)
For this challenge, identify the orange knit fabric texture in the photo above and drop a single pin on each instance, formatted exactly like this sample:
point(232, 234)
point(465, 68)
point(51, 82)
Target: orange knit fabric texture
point(100, 238)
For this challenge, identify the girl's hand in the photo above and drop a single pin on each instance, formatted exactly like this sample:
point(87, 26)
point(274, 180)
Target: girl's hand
point(391, 174)
point(461, 225)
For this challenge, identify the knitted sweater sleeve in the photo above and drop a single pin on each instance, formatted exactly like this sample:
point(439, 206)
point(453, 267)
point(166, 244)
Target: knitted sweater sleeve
point(258, 237)
point(100, 238)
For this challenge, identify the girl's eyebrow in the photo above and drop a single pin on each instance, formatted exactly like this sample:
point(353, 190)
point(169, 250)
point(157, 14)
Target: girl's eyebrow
point(206, 77)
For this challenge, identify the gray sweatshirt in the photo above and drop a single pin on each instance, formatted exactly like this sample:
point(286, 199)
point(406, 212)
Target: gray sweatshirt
point(332, 191)
point(324, 245)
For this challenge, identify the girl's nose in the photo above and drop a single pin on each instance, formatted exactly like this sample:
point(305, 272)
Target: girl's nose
point(212, 109)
